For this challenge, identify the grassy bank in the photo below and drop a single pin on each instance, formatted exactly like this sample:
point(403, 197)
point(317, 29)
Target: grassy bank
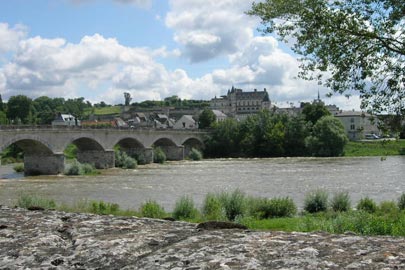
point(320, 214)
point(375, 148)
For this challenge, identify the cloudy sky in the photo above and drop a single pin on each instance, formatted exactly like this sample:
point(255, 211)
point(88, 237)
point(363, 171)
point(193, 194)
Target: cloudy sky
point(99, 49)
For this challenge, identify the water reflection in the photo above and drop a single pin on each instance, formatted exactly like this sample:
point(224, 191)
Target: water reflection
point(381, 180)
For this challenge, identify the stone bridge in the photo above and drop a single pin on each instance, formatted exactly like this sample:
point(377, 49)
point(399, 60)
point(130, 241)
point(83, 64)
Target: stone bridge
point(43, 147)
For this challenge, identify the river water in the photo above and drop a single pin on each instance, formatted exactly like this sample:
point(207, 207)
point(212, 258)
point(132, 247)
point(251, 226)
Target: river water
point(293, 177)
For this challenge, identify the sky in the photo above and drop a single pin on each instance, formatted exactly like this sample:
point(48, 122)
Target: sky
point(153, 49)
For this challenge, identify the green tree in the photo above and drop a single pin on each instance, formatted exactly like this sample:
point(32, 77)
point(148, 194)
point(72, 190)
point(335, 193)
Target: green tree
point(19, 108)
point(3, 118)
point(328, 137)
point(1, 104)
point(297, 130)
point(314, 111)
point(358, 44)
point(223, 141)
point(206, 119)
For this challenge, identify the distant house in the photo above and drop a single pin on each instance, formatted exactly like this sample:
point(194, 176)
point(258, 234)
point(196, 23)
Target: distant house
point(220, 116)
point(358, 124)
point(163, 121)
point(186, 122)
point(65, 120)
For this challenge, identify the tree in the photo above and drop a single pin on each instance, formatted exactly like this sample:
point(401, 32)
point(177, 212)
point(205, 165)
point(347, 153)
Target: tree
point(19, 108)
point(127, 97)
point(358, 44)
point(1, 104)
point(206, 119)
point(314, 111)
point(328, 137)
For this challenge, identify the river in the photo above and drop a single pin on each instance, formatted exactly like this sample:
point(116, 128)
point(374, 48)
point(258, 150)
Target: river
point(293, 177)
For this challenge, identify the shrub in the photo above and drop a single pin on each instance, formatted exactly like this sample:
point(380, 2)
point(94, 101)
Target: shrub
point(234, 204)
point(152, 209)
point(341, 202)
point(212, 207)
point(104, 208)
point(316, 201)
point(122, 160)
point(195, 154)
point(26, 201)
point(388, 207)
point(19, 167)
point(276, 207)
point(140, 158)
point(87, 168)
point(73, 169)
point(368, 205)
point(401, 202)
point(184, 208)
point(159, 155)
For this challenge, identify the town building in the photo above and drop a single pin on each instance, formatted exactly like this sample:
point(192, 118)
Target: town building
point(65, 120)
point(358, 125)
point(186, 122)
point(239, 104)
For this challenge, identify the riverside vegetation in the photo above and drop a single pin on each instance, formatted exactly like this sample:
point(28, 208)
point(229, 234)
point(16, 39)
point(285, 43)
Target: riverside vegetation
point(319, 213)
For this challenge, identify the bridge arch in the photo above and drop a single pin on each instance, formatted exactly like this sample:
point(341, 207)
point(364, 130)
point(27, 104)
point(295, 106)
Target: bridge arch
point(39, 157)
point(90, 150)
point(170, 148)
point(134, 148)
point(191, 143)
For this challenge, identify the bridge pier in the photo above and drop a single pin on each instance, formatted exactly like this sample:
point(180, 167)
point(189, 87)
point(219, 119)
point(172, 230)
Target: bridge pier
point(173, 152)
point(99, 159)
point(44, 164)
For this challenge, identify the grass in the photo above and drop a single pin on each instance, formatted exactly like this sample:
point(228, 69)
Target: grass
point(375, 148)
point(107, 110)
point(386, 219)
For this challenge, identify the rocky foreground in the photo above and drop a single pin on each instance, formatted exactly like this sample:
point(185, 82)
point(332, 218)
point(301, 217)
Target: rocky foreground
point(58, 240)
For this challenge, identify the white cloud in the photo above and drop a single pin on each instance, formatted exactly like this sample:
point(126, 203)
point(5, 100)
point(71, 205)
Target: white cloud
point(138, 3)
point(10, 36)
point(210, 28)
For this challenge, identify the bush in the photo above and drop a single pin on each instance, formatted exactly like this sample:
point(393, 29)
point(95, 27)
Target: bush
point(316, 201)
point(271, 208)
point(122, 160)
point(19, 167)
point(104, 208)
point(234, 204)
point(159, 155)
point(401, 202)
point(195, 154)
point(368, 205)
point(184, 208)
point(27, 201)
point(73, 169)
point(212, 207)
point(152, 209)
point(388, 207)
point(341, 202)
point(140, 158)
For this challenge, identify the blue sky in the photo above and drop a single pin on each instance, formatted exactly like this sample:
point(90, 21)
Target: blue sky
point(153, 49)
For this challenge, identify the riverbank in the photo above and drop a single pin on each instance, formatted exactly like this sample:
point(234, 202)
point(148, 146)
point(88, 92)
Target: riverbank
point(48, 239)
point(370, 148)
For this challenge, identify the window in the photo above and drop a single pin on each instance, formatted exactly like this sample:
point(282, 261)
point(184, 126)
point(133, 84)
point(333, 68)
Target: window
point(351, 120)
point(352, 127)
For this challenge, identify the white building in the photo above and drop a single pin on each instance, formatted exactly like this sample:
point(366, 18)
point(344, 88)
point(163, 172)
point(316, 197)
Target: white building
point(358, 124)
point(186, 122)
point(65, 120)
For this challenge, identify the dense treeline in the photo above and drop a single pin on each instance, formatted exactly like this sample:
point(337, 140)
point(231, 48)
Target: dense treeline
point(270, 134)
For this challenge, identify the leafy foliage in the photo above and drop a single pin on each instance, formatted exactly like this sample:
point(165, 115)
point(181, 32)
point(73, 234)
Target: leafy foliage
point(316, 201)
point(159, 155)
point(360, 44)
point(367, 204)
point(273, 208)
point(195, 154)
point(328, 138)
point(152, 209)
point(206, 119)
point(401, 202)
point(122, 160)
point(340, 202)
point(184, 208)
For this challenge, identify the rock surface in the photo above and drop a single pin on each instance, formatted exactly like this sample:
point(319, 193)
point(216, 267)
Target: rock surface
point(58, 240)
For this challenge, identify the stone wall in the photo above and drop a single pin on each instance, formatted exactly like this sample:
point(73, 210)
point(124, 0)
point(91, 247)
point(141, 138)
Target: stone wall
point(43, 164)
point(58, 240)
point(99, 159)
